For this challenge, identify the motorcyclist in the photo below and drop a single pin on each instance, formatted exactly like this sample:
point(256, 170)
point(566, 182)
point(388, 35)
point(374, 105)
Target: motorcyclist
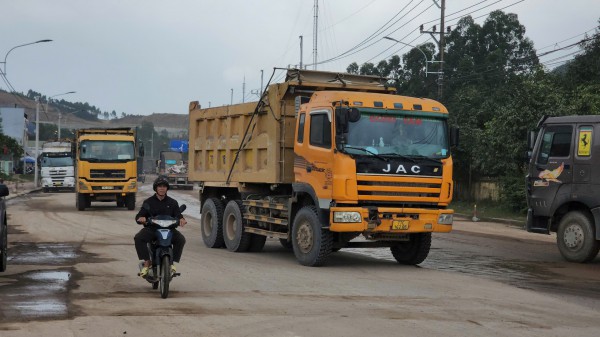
point(160, 204)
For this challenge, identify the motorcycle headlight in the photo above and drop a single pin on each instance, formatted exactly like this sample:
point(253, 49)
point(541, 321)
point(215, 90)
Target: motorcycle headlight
point(163, 223)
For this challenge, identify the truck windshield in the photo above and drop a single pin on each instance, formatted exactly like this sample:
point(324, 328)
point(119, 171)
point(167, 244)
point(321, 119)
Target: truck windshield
point(396, 133)
point(106, 151)
point(56, 161)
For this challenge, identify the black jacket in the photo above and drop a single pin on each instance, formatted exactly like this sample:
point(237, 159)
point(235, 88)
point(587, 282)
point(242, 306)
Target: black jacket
point(167, 206)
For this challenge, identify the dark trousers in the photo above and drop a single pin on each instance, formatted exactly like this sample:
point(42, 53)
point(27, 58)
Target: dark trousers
point(146, 235)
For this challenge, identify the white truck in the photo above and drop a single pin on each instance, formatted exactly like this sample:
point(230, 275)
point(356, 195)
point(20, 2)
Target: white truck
point(56, 166)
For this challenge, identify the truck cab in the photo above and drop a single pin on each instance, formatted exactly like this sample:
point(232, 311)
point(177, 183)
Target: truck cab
point(563, 190)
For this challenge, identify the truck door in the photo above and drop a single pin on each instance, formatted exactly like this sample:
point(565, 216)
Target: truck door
point(314, 161)
point(551, 168)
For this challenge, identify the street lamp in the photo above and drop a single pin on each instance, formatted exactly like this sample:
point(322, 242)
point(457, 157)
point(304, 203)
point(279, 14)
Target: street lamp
point(59, 114)
point(22, 45)
point(422, 52)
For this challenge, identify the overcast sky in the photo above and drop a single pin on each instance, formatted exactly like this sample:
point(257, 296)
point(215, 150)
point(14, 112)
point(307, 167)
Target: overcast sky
point(150, 56)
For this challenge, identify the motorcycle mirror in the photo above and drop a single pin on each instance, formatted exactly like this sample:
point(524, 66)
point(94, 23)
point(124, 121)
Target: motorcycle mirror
point(182, 208)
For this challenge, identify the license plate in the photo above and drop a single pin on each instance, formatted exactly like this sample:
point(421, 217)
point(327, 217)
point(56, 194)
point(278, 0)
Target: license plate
point(57, 184)
point(400, 224)
point(107, 187)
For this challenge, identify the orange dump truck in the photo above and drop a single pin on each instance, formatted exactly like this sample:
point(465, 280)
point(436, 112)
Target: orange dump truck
point(324, 161)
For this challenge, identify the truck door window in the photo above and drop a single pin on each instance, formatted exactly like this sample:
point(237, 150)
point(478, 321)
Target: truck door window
point(301, 128)
point(320, 130)
point(556, 142)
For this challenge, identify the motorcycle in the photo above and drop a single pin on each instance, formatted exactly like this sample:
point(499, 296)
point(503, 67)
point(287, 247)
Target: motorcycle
point(161, 250)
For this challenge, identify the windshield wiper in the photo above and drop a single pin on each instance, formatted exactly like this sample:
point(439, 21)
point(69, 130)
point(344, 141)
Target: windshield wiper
point(397, 155)
point(367, 151)
point(420, 157)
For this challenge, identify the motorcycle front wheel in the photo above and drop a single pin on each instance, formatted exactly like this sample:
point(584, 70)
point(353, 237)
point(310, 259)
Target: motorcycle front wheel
point(165, 276)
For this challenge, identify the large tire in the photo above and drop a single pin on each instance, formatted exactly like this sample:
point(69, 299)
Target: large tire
point(165, 276)
point(3, 247)
point(130, 201)
point(576, 238)
point(236, 240)
point(312, 243)
point(257, 243)
point(80, 201)
point(212, 223)
point(414, 251)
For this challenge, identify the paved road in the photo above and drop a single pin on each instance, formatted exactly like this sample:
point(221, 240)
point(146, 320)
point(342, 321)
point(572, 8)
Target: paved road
point(73, 273)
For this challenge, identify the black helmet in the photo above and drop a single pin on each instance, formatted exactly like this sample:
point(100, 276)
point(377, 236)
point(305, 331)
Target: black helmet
point(160, 181)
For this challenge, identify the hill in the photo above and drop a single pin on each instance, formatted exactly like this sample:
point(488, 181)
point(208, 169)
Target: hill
point(173, 124)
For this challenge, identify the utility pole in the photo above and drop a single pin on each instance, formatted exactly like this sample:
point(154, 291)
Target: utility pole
point(231, 100)
point(315, 34)
point(244, 90)
point(440, 44)
point(300, 53)
point(37, 140)
point(261, 81)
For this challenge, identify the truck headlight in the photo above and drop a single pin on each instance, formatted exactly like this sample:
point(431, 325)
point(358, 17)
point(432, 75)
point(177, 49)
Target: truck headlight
point(346, 217)
point(132, 185)
point(445, 219)
point(82, 186)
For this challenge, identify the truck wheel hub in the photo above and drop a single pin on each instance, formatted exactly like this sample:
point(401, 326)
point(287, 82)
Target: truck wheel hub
point(305, 238)
point(573, 236)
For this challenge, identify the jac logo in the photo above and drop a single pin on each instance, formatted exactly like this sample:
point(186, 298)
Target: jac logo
point(416, 169)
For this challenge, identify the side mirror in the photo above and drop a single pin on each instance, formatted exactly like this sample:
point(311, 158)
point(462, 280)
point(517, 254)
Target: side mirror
point(454, 136)
point(530, 140)
point(3, 190)
point(353, 115)
point(141, 150)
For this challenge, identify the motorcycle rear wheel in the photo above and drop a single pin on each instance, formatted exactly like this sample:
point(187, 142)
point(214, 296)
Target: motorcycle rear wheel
point(165, 276)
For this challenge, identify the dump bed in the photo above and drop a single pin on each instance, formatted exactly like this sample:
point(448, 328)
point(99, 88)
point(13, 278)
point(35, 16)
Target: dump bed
point(263, 132)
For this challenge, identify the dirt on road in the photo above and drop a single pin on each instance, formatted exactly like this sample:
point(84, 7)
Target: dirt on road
point(74, 274)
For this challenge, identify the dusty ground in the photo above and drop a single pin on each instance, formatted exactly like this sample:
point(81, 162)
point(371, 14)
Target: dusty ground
point(74, 274)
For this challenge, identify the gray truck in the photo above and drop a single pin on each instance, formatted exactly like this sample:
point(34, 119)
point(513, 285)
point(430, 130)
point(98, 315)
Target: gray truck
point(173, 167)
point(563, 184)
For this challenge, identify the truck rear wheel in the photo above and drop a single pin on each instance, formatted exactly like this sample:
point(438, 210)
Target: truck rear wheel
point(575, 238)
point(80, 201)
point(312, 243)
point(414, 251)
point(212, 223)
point(236, 240)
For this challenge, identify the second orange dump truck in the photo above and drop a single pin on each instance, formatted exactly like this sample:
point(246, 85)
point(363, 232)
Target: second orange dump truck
point(324, 161)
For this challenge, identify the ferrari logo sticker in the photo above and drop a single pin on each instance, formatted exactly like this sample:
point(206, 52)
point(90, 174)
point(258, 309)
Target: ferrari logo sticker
point(585, 142)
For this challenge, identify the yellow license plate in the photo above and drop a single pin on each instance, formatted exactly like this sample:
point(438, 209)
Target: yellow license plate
point(400, 224)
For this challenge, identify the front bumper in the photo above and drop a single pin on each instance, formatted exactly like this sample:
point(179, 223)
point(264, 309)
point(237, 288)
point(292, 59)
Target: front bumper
point(393, 220)
point(107, 187)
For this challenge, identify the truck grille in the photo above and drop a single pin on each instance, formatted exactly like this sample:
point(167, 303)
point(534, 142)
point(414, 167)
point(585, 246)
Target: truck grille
point(58, 172)
point(107, 174)
point(398, 189)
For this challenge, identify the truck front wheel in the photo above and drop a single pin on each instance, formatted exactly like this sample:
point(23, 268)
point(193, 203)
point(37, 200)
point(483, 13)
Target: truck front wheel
point(312, 243)
point(414, 251)
point(130, 201)
point(212, 223)
point(236, 240)
point(575, 238)
point(81, 202)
